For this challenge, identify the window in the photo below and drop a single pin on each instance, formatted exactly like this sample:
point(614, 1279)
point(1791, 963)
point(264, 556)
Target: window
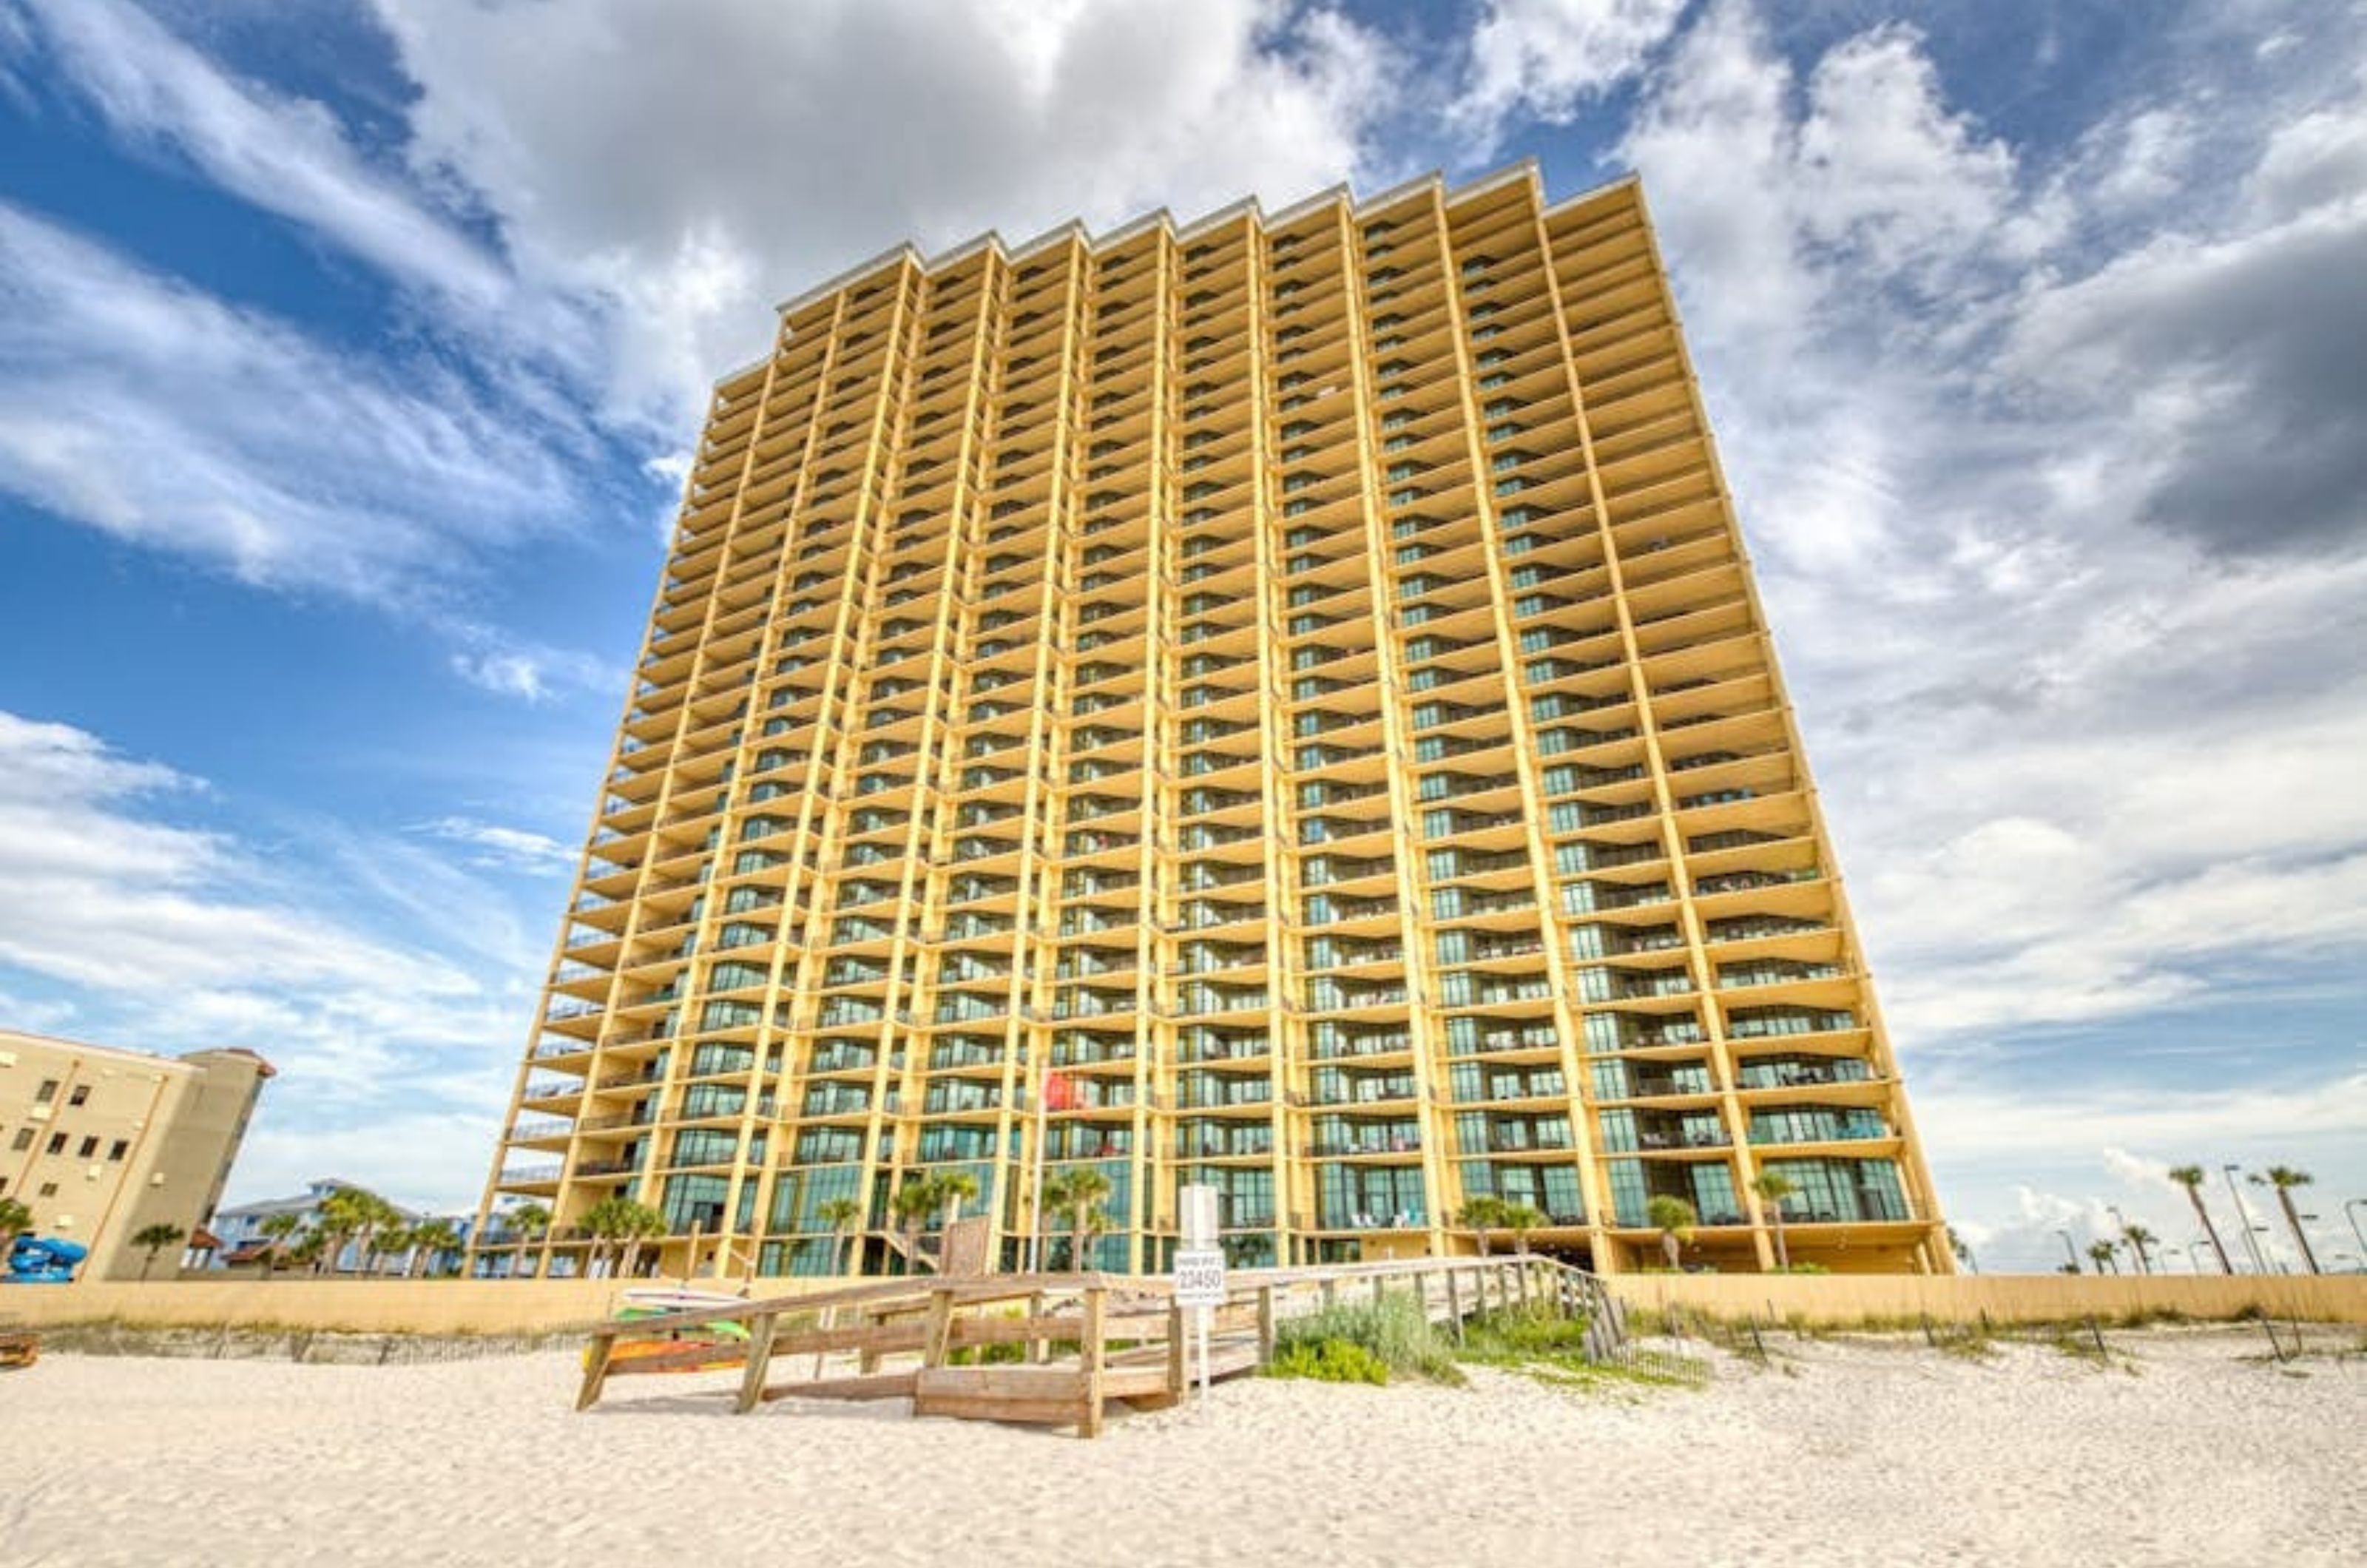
point(121, 1148)
point(89, 1148)
point(56, 1143)
point(46, 1092)
point(80, 1096)
point(23, 1140)
point(49, 1189)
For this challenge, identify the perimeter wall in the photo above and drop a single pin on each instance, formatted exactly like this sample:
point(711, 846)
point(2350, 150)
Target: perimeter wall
point(527, 1306)
point(1837, 1299)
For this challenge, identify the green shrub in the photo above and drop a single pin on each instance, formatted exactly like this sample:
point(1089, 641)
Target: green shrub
point(1523, 1333)
point(1393, 1331)
point(1328, 1360)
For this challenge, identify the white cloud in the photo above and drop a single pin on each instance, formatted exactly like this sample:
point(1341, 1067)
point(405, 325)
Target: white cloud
point(1546, 58)
point(2006, 1158)
point(129, 904)
point(146, 409)
point(534, 672)
point(284, 155)
point(176, 937)
point(502, 845)
point(687, 168)
point(2081, 767)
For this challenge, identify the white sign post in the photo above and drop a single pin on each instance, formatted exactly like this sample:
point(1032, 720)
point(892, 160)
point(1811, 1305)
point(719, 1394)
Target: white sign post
point(1199, 1265)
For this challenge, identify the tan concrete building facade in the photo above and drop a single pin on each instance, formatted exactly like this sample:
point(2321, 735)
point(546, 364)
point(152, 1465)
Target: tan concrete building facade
point(1299, 678)
point(101, 1142)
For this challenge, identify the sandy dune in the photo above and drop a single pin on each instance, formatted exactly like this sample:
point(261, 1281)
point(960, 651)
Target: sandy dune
point(2192, 1449)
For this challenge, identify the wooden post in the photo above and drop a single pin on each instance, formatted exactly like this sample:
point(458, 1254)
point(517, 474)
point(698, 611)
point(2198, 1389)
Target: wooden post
point(1520, 1274)
point(1454, 1305)
point(1039, 1347)
point(1090, 1353)
point(1378, 1284)
point(1330, 1294)
point(595, 1370)
point(760, 1357)
point(1178, 1360)
point(1265, 1324)
point(866, 1361)
point(939, 1328)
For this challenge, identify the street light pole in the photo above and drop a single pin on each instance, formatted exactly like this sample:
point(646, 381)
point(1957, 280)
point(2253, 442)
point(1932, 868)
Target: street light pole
point(2244, 1215)
point(2349, 1204)
point(2071, 1251)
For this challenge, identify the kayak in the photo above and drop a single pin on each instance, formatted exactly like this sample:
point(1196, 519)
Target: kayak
point(725, 1337)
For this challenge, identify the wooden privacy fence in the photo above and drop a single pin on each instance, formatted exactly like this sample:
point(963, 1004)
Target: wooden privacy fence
point(1081, 1340)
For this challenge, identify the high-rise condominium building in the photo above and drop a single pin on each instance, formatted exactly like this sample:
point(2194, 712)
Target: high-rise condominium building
point(104, 1142)
point(1295, 677)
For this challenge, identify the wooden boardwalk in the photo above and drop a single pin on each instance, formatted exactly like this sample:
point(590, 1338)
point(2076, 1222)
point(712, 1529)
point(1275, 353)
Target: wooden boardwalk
point(1082, 1340)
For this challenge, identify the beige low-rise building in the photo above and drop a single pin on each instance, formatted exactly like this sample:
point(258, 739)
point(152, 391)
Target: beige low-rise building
point(101, 1142)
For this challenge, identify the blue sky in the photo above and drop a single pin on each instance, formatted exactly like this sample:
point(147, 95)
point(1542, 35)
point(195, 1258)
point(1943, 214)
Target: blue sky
point(346, 362)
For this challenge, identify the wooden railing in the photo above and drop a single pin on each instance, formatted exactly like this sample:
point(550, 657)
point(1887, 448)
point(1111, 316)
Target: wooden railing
point(1083, 1339)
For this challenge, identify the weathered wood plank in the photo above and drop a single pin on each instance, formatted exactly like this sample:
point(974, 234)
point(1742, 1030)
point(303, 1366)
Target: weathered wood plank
point(760, 1360)
point(1002, 1382)
point(596, 1372)
point(872, 1340)
point(879, 1385)
point(1094, 1348)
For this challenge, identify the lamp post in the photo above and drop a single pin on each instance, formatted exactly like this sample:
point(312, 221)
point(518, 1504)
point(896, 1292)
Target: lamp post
point(2244, 1215)
point(2349, 1204)
point(2069, 1250)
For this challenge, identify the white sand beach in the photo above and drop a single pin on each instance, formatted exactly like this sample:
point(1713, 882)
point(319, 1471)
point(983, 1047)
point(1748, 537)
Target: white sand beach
point(2191, 1448)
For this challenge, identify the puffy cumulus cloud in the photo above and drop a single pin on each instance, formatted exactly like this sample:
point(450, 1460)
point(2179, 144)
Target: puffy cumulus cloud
point(1781, 198)
point(1546, 58)
point(688, 166)
point(263, 452)
point(2237, 363)
point(2085, 761)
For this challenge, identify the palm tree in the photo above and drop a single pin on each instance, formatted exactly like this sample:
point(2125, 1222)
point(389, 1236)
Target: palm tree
point(526, 1222)
point(1084, 1191)
point(379, 1219)
point(956, 1188)
point(637, 1223)
point(1520, 1219)
point(1481, 1214)
point(1773, 1187)
point(620, 1219)
point(338, 1217)
point(2139, 1238)
point(15, 1219)
point(2101, 1251)
point(277, 1229)
point(427, 1238)
point(155, 1238)
point(311, 1247)
point(2284, 1178)
point(840, 1215)
point(2191, 1178)
point(1674, 1219)
point(357, 1215)
point(913, 1203)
